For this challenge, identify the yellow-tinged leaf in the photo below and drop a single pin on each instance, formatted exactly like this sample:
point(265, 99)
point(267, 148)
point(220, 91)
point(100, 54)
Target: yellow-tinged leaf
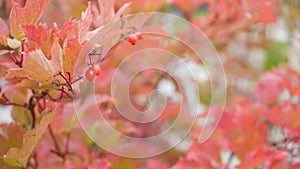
point(29, 14)
point(37, 67)
point(14, 134)
point(72, 49)
point(3, 32)
point(19, 156)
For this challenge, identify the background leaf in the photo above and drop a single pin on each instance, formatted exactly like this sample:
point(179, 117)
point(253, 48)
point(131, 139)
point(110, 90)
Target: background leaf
point(20, 156)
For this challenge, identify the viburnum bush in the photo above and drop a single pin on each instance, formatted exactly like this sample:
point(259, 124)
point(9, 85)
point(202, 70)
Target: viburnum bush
point(42, 41)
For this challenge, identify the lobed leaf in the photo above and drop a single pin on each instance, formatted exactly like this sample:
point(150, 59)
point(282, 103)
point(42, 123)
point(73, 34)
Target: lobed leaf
point(19, 156)
point(36, 67)
point(29, 14)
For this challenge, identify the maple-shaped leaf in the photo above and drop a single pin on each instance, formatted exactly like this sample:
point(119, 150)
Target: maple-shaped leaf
point(50, 51)
point(105, 12)
point(29, 14)
point(71, 50)
point(69, 28)
point(36, 67)
point(85, 23)
point(38, 36)
point(285, 115)
point(205, 154)
point(78, 28)
point(246, 115)
point(3, 32)
point(20, 156)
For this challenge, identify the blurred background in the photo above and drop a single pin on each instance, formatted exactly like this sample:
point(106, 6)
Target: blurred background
point(251, 37)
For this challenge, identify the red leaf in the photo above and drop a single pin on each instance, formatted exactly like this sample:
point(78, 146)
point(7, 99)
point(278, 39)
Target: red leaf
point(266, 13)
point(187, 164)
point(154, 163)
point(286, 115)
point(38, 36)
point(262, 156)
point(246, 115)
point(269, 88)
point(101, 164)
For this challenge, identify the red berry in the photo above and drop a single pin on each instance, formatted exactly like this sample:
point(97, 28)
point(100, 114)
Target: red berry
point(139, 35)
point(97, 70)
point(132, 38)
point(90, 74)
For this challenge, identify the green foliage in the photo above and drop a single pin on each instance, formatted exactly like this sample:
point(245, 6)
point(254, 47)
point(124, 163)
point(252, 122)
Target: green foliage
point(275, 54)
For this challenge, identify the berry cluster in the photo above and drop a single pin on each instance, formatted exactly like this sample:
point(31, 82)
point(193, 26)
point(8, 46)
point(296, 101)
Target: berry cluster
point(134, 37)
point(95, 70)
point(92, 72)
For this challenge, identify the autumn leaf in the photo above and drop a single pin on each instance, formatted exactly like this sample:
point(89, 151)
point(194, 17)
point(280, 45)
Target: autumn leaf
point(262, 156)
point(38, 36)
point(20, 156)
point(104, 13)
point(285, 115)
point(11, 136)
point(71, 52)
point(14, 133)
point(246, 115)
point(38, 68)
point(85, 23)
point(3, 32)
point(153, 163)
point(269, 88)
point(29, 14)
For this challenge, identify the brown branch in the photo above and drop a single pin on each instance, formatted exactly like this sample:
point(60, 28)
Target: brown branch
point(56, 145)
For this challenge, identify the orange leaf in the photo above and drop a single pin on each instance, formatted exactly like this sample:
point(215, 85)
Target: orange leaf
point(263, 155)
point(29, 14)
point(3, 32)
point(20, 156)
point(71, 52)
point(37, 67)
point(38, 36)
